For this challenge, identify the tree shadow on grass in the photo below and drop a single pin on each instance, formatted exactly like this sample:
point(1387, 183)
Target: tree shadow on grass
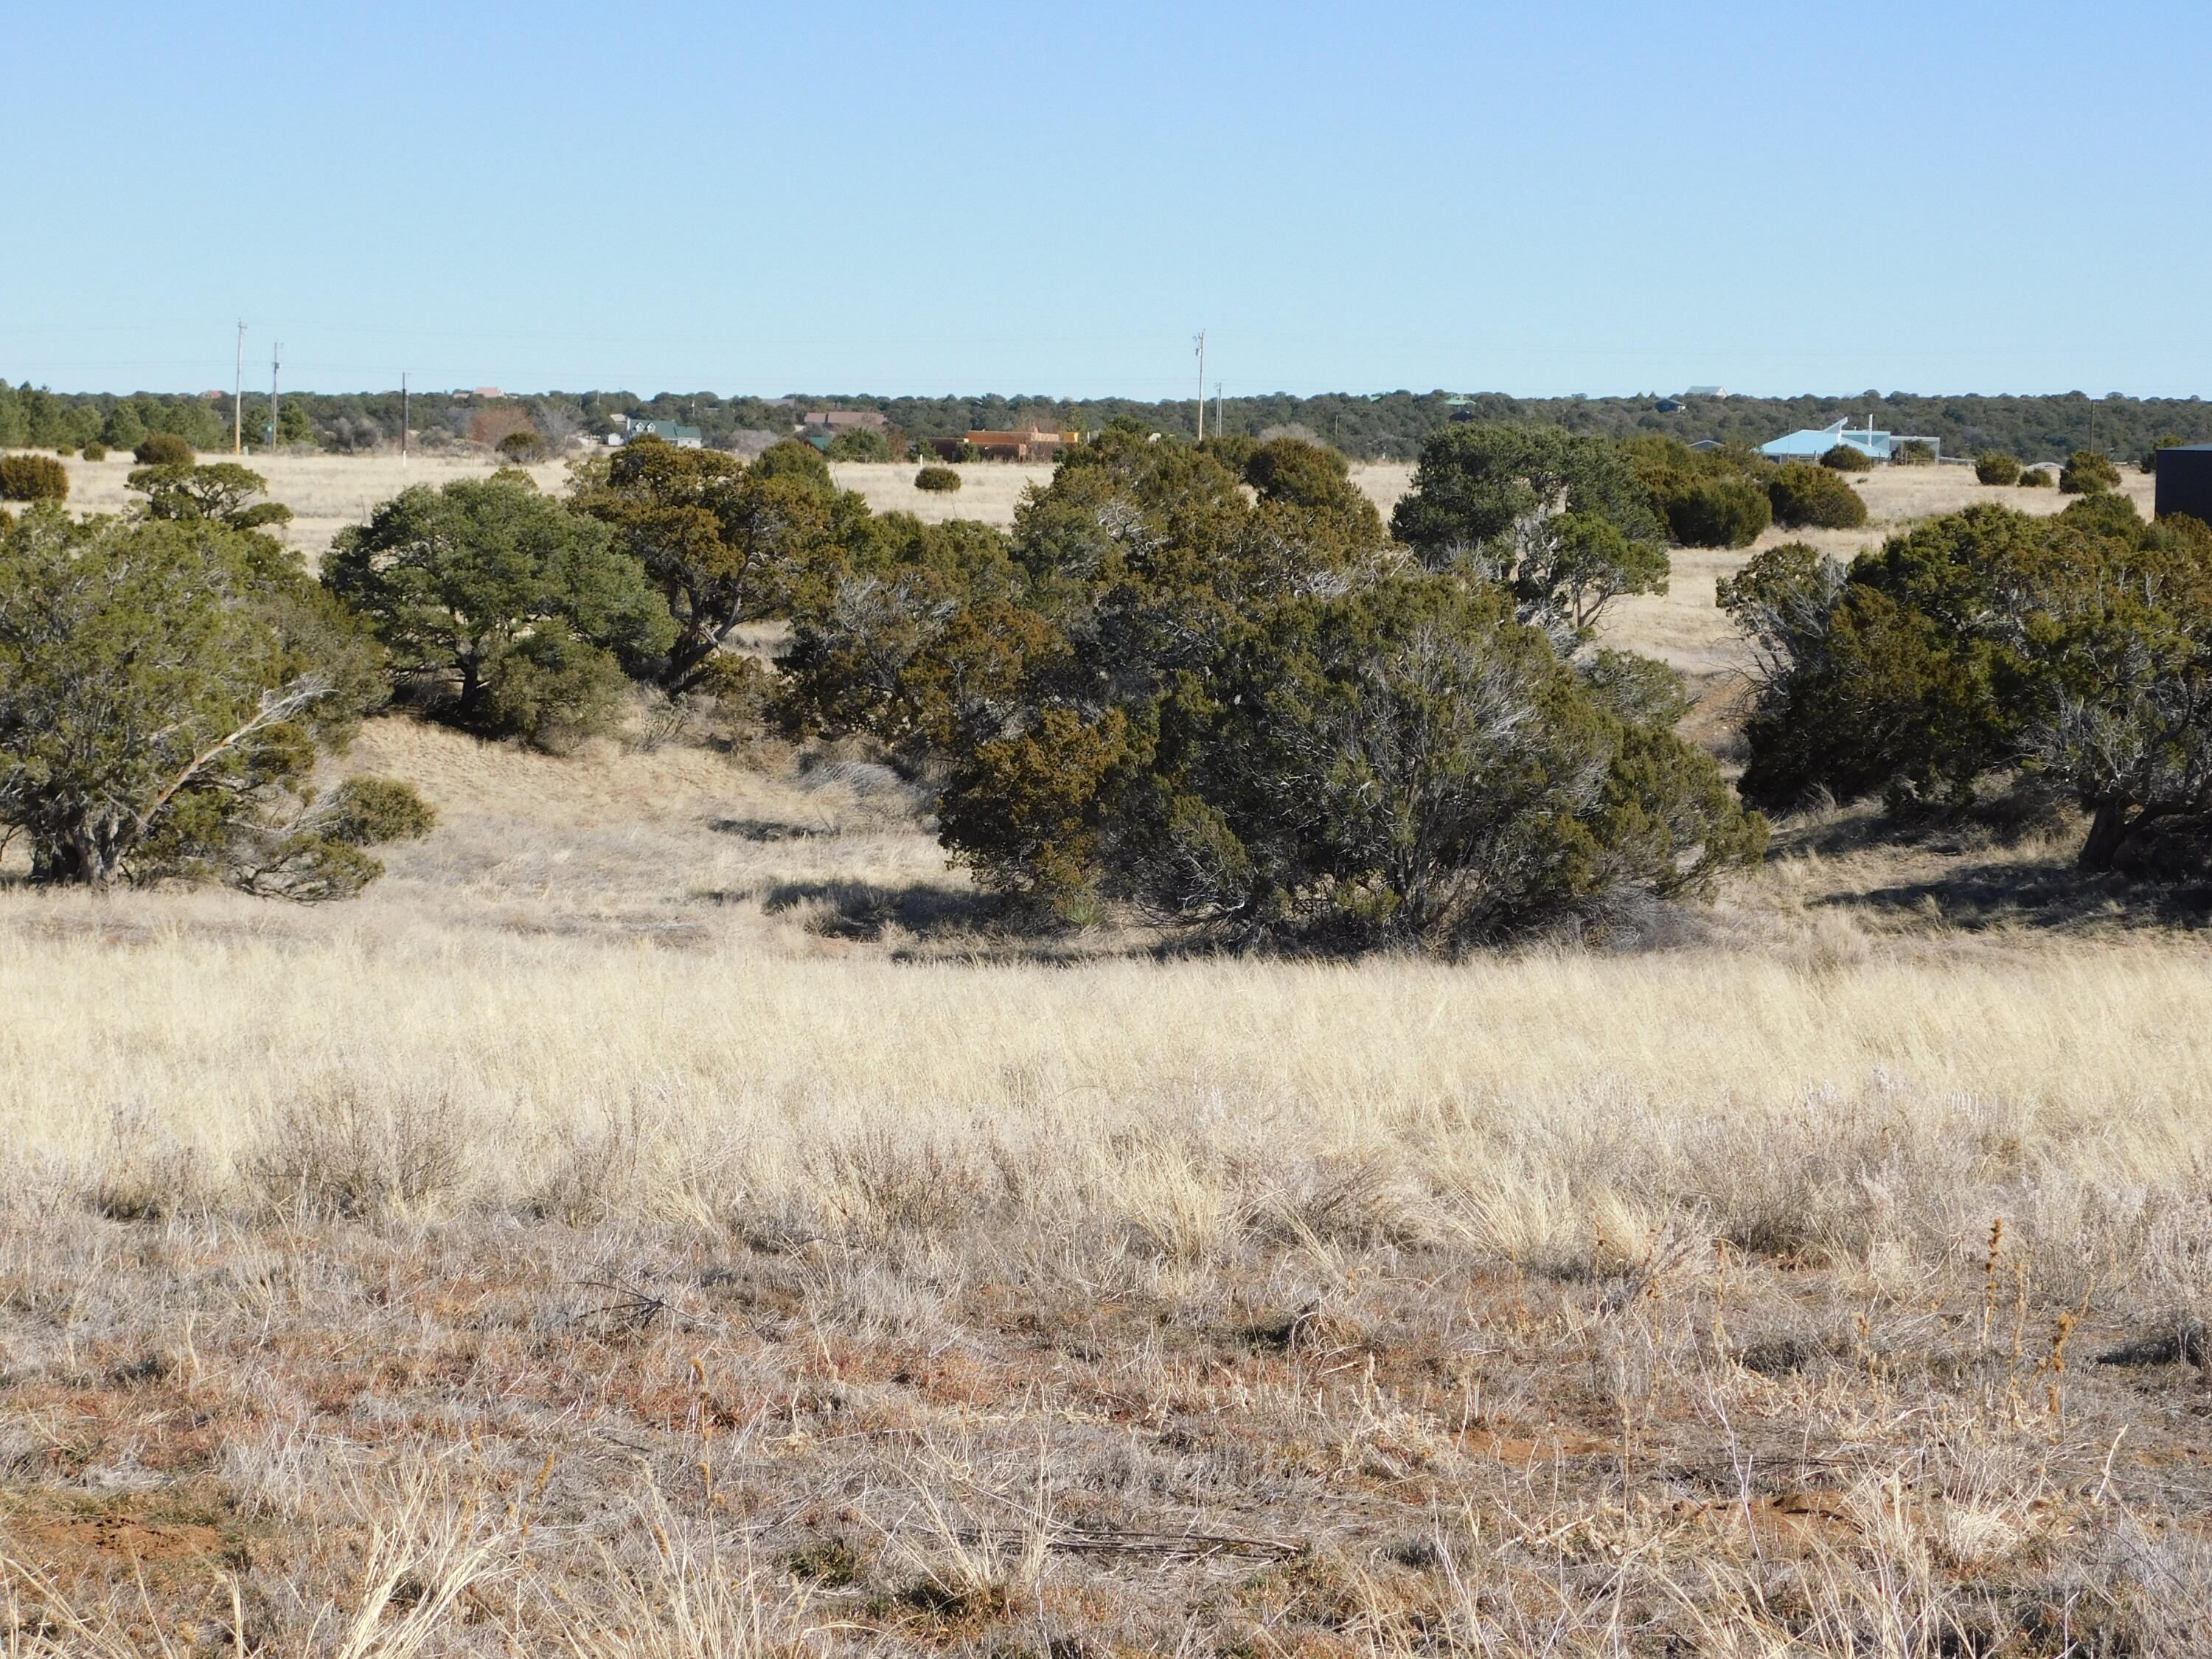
point(772, 830)
point(2055, 897)
point(864, 911)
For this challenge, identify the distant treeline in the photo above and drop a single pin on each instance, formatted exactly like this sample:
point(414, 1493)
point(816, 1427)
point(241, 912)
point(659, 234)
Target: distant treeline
point(1389, 426)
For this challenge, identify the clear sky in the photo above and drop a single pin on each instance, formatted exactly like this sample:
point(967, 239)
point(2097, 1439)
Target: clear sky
point(1538, 197)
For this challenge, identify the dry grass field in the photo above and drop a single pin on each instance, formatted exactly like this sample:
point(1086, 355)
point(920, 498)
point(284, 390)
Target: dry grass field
point(326, 492)
point(665, 1218)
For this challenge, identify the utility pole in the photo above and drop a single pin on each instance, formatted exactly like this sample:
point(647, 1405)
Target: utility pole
point(1218, 427)
point(1202, 386)
point(238, 397)
point(275, 357)
point(403, 417)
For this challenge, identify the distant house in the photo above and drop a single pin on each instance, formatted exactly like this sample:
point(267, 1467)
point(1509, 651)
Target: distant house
point(490, 394)
point(1809, 444)
point(2184, 481)
point(1707, 445)
point(834, 421)
point(1706, 391)
point(1036, 444)
point(684, 437)
point(1670, 405)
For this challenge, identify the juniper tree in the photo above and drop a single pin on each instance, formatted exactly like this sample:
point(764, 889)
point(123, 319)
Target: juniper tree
point(166, 687)
point(454, 580)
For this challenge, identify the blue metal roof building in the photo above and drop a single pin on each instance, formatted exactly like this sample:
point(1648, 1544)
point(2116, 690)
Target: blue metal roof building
point(1809, 445)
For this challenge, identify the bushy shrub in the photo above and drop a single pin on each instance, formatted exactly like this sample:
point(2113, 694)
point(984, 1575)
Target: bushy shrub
point(521, 448)
point(1994, 467)
point(65, 450)
point(1813, 497)
point(791, 458)
point(1565, 520)
point(2071, 651)
point(721, 541)
point(2148, 464)
point(2035, 478)
point(223, 491)
point(322, 854)
point(2107, 513)
point(1244, 717)
point(555, 690)
point(456, 580)
point(1718, 512)
point(164, 689)
point(860, 444)
point(96, 452)
point(2086, 473)
point(1845, 457)
point(163, 449)
point(942, 479)
point(371, 811)
point(33, 479)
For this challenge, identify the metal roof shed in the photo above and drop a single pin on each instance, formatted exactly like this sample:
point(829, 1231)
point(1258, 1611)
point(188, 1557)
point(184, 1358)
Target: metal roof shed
point(1809, 444)
point(2184, 481)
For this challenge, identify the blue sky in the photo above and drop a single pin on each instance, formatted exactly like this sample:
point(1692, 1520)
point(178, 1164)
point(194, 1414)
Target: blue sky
point(1537, 198)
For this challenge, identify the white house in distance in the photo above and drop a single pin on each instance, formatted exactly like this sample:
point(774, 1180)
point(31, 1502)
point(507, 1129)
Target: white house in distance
point(633, 429)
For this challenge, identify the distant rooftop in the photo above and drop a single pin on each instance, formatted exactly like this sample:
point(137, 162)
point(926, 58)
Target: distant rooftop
point(1809, 443)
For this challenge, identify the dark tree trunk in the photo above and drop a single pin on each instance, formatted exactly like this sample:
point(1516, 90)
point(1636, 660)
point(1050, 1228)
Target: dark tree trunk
point(2108, 832)
point(471, 703)
point(76, 855)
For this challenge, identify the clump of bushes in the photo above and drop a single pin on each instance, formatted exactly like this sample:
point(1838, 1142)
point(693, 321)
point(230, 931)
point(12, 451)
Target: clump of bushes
point(2062, 655)
point(2035, 477)
point(33, 479)
point(165, 689)
point(1707, 498)
point(2087, 473)
point(521, 448)
point(1845, 457)
point(2149, 464)
point(504, 611)
point(555, 690)
point(1305, 742)
point(96, 452)
point(1719, 512)
point(163, 449)
point(943, 479)
point(1813, 497)
point(1994, 467)
point(860, 445)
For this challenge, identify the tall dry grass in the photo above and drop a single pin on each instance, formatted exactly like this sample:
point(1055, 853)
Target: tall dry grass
point(1529, 1104)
